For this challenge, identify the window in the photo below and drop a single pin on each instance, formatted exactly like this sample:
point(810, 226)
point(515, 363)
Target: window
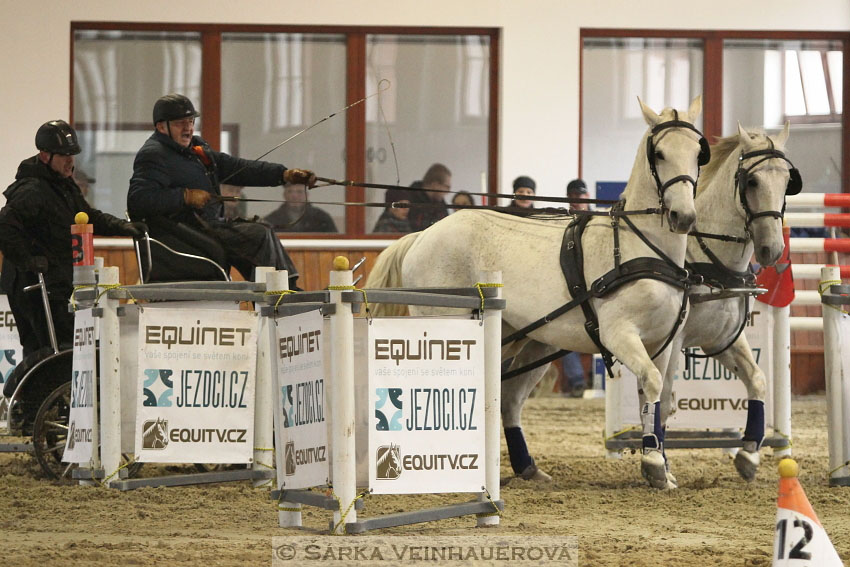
point(813, 81)
point(257, 86)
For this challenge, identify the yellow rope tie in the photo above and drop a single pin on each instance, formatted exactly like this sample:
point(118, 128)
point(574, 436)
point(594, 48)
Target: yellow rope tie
point(822, 287)
point(105, 481)
point(104, 287)
point(280, 293)
point(788, 446)
point(495, 512)
point(352, 288)
point(839, 467)
point(341, 521)
point(74, 294)
point(621, 432)
point(287, 509)
point(480, 285)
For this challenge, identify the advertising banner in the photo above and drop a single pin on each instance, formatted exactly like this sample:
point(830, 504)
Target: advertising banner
point(302, 430)
point(196, 386)
point(11, 352)
point(426, 387)
point(79, 445)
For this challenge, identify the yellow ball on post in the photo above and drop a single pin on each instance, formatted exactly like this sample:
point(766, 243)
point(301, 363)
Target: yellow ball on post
point(340, 263)
point(788, 468)
point(81, 218)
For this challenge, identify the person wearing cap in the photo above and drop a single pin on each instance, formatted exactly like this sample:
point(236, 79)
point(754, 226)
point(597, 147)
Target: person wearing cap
point(523, 186)
point(176, 179)
point(426, 197)
point(296, 214)
point(395, 219)
point(577, 189)
point(35, 235)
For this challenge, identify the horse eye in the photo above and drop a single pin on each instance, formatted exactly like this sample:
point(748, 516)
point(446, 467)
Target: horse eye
point(659, 155)
point(752, 182)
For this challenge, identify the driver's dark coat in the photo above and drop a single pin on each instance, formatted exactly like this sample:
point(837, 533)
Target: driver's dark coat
point(36, 221)
point(163, 168)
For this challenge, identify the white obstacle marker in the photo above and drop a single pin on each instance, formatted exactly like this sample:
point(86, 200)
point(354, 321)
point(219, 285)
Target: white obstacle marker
point(11, 353)
point(836, 327)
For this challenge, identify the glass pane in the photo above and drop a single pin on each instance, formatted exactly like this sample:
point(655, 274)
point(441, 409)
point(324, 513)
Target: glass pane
point(755, 73)
point(835, 64)
point(662, 72)
point(118, 75)
point(435, 111)
point(814, 82)
point(795, 101)
point(273, 86)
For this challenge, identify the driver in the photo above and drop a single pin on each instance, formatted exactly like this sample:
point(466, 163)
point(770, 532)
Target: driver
point(176, 176)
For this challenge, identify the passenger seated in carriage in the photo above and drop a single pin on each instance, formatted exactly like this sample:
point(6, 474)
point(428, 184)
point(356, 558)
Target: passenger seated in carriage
point(176, 180)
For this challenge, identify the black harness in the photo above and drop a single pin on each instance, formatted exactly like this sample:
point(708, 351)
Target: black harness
point(662, 268)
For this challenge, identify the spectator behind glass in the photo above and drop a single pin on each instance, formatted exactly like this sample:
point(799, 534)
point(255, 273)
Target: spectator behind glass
point(429, 192)
point(84, 182)
point(523, 186)
point(297, 214)
point(394, 220)
point(233, 209)
point(577, 189)
point(463, 198)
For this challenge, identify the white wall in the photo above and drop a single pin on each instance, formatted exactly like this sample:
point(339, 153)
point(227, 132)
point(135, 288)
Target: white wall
point(540, 54)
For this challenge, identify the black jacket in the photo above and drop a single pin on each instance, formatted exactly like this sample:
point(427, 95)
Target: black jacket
point(163, 168)
point(36, 221)
point(423, 211)
point(312, 220)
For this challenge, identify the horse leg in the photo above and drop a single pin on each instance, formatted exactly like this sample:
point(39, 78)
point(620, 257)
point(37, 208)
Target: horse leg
point(667, 401)
point(515, 392)
point(630, 351)
point(738, 358)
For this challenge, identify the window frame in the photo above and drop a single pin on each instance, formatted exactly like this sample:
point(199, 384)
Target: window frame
point(712, 101)
point(355, 86)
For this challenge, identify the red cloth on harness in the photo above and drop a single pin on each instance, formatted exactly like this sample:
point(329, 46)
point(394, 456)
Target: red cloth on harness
point(778, 279)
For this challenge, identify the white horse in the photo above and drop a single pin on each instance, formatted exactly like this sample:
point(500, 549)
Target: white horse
point(635, 320)
point(741, 195)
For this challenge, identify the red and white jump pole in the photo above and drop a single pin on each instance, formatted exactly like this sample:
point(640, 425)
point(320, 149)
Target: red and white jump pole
point(819, 200)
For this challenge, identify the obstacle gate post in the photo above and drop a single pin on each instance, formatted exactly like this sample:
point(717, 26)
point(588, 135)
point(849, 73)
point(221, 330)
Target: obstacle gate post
point(264, 402)
point(110, 379)
point(837, 389)
point(782, 377)
point(492, 319)
point(342, 401)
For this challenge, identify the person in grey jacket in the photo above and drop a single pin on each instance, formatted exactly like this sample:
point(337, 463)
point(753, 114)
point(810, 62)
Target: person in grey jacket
point(177, 177)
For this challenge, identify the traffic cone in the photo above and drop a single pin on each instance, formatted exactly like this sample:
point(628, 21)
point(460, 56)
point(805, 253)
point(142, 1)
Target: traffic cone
point(800, 540)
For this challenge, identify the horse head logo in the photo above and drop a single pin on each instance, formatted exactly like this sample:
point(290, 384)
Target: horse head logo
point(289, 458)
point(155, 434)
point(388, 459)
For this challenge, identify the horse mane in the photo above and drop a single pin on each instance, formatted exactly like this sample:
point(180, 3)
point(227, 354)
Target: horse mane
point(720, 150)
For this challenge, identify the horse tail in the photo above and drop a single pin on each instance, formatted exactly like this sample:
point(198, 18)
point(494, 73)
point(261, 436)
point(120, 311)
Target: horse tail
point(387, 273)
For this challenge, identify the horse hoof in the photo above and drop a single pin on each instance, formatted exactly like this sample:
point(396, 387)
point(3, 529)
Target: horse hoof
point(531, 472)
point(671, 480)
point(747, 464)
point(653, 469)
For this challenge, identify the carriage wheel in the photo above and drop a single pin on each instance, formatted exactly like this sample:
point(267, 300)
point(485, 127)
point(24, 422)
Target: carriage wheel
point(50, 432)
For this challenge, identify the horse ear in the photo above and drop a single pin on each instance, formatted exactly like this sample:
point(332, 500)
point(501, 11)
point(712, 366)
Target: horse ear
point(695, 108)
point(780, 139)
point(744, 138)
point(648, 114)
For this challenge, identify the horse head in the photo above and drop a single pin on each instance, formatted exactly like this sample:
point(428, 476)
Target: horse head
point(762, 179)
point(674, 151)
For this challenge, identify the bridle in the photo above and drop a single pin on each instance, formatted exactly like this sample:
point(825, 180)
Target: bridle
point(702, 159)
point(742, 177)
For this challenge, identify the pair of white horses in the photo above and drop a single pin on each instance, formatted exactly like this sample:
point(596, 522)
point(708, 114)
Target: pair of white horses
point(636, 319)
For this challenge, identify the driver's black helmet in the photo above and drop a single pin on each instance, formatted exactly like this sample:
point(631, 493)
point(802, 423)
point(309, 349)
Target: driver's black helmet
point(57, 137)
point(173, 107)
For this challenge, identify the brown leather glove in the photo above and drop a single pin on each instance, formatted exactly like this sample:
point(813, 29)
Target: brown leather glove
point(196, 198)
point(299, 176)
